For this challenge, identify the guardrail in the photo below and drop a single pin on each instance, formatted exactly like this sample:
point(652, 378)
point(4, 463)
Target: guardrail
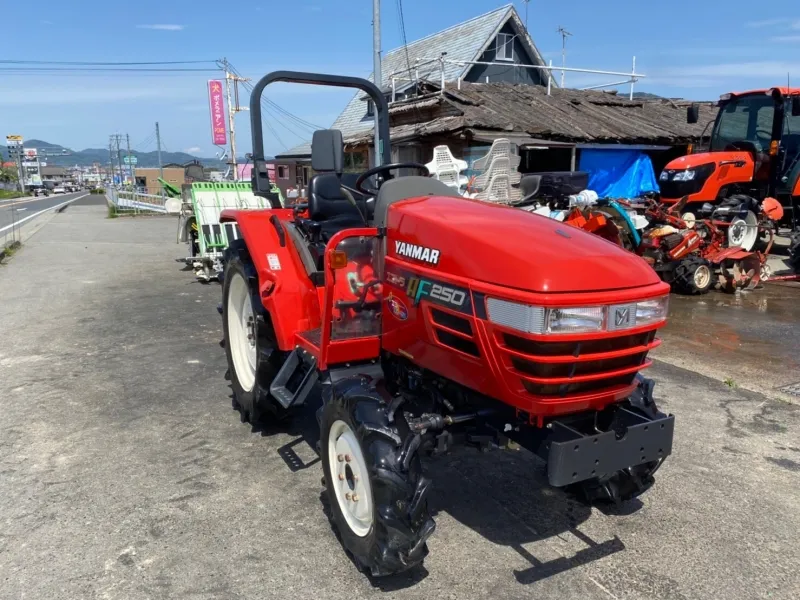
point(128, 200)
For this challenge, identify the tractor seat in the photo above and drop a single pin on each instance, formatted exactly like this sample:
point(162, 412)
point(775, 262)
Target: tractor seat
point(329, 207)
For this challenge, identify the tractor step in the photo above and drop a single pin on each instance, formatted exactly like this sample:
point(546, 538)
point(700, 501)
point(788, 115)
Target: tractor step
point(295, 380)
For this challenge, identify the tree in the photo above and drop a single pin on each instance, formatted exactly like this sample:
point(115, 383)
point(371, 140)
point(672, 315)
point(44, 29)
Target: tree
point(8, 175)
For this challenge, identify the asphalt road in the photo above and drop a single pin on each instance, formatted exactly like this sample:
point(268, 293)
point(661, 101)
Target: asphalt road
point(125, 474)
point(12, 211)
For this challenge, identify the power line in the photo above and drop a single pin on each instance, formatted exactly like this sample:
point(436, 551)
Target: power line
point(300, 121)
point(146, 142)
point(102, 69)
point(402, 23)
point(85, 63)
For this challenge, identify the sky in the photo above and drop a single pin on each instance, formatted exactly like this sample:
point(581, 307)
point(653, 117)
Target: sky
point(690, 49)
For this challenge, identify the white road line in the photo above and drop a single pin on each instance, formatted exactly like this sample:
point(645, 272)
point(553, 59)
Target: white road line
point(36, 214)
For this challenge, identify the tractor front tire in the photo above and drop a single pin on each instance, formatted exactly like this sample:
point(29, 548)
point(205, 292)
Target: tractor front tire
point(373, 478)
point(630, 483)
point(253, 356)
point(693, 275)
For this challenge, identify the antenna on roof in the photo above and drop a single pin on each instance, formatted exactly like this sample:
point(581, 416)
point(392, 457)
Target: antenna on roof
point(564, 33)
point(526, 13)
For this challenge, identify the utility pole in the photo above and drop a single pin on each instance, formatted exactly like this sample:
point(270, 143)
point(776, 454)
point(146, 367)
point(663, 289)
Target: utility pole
point(20, 168)
point(111, 159)
point(231, 121)
point(130, 164)
point(160, 165)
point(376, 70)
point(233, 108)
point(117, 138)
point(564, 33)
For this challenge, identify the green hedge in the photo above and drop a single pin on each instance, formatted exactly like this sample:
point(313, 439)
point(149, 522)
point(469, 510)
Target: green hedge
point(98, 191)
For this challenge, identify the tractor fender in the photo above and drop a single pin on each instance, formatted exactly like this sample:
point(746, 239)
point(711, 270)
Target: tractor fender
point(285, 289)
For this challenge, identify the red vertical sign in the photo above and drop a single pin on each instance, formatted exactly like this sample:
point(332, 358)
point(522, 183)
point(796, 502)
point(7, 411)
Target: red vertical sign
point(217, 104)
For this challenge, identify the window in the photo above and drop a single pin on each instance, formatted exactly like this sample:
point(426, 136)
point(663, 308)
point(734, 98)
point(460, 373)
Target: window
point(370, 108)
point(303, 175)
point(745, 119)
point(504, 46)
point(355, 162)
point(283, 172)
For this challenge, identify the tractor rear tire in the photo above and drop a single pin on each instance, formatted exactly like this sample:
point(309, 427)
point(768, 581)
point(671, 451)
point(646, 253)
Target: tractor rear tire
point(693, 276)
point(250, 346)
point(373, 477)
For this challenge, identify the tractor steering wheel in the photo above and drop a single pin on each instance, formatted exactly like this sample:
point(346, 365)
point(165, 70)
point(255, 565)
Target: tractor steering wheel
point(370, 191)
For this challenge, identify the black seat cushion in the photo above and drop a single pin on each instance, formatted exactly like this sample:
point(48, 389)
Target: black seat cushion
point(326, 200)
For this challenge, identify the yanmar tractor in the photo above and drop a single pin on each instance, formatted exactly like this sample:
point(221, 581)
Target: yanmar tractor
point(418, 316)
point(754, 154)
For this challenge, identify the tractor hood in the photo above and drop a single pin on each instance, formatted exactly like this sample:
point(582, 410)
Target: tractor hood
point(692, 161)
point(509, 247)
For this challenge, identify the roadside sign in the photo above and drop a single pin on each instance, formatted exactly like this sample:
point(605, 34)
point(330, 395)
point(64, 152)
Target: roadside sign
point(130, 160)
point(17, 139)
point(30, 153)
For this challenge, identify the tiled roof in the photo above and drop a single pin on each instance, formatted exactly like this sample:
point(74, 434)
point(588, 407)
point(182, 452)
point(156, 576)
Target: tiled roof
point(463, 42)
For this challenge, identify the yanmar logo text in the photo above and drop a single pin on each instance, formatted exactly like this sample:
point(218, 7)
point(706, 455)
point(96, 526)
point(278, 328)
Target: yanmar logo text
point(428, 255)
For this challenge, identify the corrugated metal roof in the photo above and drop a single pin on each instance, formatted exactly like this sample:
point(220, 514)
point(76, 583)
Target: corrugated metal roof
point(463, 42)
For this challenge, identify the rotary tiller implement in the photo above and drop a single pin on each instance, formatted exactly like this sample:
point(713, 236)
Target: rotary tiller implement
point(423, 318)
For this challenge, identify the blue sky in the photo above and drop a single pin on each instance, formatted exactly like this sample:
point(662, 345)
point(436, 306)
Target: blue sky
point(691, 49)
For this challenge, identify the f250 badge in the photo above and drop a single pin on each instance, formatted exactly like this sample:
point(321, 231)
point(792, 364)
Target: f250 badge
point(428, 255)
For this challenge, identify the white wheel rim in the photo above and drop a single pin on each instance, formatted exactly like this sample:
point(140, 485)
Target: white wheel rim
point(241, 332)
point(689, 219)
point(743, 232)
point(350, 478)
point(702, 277)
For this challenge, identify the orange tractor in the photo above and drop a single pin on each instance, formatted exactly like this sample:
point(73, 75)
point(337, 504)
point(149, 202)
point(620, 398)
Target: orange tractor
point(754, 154)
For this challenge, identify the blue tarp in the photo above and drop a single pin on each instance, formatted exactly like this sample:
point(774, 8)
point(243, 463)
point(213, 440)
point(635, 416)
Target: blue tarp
point(619, 173)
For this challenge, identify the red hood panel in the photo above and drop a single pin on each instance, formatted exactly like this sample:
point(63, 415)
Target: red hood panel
point(703, 158)
point(510, 247)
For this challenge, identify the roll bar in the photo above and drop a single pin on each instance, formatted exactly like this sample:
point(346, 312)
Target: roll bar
point(260, 177)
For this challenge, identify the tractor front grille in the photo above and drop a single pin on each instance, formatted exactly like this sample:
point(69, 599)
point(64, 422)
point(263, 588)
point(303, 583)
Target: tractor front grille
point(556, 368)
point(453, 331)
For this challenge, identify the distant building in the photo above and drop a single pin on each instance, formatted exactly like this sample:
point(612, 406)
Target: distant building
point(53, 174)
point(148, 178)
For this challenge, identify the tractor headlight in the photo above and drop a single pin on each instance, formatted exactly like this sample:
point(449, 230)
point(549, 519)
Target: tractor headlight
point(579, 319)
point(537, 319)
point(664, 176)
point(575, 320)
point(686, 175)
point(652, 311)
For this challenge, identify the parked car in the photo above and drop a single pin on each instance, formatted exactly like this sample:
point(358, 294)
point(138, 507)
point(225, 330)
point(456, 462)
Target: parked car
point(41, 191)
point(59, 189)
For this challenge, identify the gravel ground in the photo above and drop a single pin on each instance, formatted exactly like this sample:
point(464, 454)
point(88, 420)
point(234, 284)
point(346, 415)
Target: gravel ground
point(126, 474)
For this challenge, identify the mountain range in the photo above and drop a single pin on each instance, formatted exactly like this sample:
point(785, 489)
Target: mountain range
point(60, 156)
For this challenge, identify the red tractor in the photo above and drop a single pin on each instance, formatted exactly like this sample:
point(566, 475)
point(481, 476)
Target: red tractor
point(754, 153)
point(416, 316)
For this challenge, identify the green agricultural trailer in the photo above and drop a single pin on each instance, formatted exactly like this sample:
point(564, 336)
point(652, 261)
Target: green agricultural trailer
point(199, 226)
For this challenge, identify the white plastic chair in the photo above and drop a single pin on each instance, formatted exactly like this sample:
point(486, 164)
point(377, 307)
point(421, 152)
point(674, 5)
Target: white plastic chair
point(501, 147)
point(447, 168)
point(496, 184)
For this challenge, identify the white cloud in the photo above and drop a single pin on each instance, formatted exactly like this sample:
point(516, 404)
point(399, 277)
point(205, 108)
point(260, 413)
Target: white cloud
point(162, 27)
point(193, 150)
point(790, 39)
